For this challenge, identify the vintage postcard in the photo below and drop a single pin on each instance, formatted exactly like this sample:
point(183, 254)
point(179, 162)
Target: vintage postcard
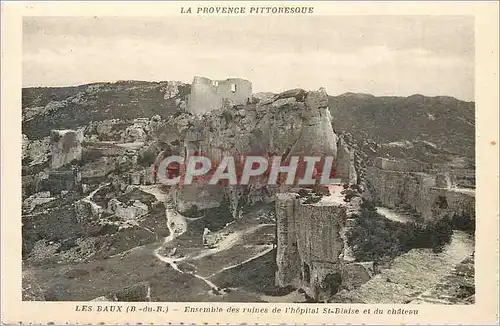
point(250, 162)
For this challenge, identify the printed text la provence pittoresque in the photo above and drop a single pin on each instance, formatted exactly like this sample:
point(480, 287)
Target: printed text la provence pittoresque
point(203, 10)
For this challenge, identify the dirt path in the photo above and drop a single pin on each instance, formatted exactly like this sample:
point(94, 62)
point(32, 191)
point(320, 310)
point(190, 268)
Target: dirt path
point(228, 242)
point(178, 224)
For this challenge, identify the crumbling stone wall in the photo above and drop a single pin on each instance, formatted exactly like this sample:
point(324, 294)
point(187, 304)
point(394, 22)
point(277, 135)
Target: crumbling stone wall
point(309, 243)
point(386, 164)
point(66, 147)
point(429, 195)
point(207, 95)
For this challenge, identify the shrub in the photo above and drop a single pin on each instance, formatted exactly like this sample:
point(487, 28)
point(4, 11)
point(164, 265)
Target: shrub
point(227, 115)
point(376, 238)
point(464, 223)
point(146, 158)
point(331, 283)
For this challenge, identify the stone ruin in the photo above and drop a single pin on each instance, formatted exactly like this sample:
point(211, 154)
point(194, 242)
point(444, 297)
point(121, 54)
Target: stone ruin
point(395, 184)
point(207, 95)
point(66, 147)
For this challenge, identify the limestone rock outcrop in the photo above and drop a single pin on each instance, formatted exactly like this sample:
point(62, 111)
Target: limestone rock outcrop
point(295, 122)
point(309, 244)
point(345, 163)
point(36, 151)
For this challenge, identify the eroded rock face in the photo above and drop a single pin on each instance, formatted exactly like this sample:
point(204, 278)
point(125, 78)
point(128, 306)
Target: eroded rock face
point(344, 167)
point(66, 147)
point(294, 122)
point(309, 244)
point(317, 136)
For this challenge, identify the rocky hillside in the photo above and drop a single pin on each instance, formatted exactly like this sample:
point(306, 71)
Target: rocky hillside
point(416, 126)
point(46, 108)
point(445, 122)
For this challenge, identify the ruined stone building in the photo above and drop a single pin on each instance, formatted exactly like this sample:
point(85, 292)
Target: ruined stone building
point(66, 147)
point(207, 95)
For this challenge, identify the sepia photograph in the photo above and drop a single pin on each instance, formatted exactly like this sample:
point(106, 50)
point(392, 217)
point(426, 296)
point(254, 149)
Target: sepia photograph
point(294, 159)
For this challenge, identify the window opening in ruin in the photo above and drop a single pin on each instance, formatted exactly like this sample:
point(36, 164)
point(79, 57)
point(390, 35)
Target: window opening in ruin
point(233, 88)
point(307, 273)
point(215, 83)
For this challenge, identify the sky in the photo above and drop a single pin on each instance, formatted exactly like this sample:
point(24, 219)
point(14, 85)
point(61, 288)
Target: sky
point(379, 55)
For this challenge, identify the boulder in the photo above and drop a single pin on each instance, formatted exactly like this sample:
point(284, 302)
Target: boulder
point(356, 274)
point(264, 98)
point(297, 93)
point(443, 180)
point(284, 101)
point(134, 133)
point(39, 198)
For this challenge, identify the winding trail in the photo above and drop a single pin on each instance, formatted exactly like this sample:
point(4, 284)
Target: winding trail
point(260, 254)
point(177, 225)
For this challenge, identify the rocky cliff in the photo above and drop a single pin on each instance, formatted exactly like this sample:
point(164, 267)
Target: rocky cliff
point(309, 245)
point(295, 122)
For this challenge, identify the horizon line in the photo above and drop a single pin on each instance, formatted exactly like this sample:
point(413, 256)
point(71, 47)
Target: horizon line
point(253, 92)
